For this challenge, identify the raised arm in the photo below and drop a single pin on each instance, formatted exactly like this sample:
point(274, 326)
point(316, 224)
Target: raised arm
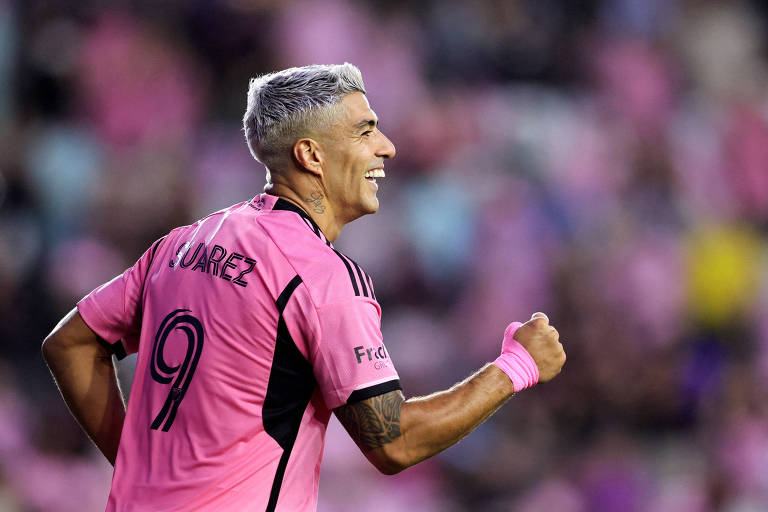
point(85, 375)
point(395, 433)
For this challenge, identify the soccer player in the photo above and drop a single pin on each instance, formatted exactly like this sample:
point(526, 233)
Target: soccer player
point(251, 328)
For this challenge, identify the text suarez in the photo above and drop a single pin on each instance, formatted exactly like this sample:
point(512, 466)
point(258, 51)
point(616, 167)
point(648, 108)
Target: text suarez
point(219, 262)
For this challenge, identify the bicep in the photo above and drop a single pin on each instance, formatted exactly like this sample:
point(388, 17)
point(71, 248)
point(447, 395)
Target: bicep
point(374, 422)
point(374, 425)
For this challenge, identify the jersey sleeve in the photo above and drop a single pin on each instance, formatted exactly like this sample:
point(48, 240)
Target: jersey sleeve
point(113, 310)
point(350, 360)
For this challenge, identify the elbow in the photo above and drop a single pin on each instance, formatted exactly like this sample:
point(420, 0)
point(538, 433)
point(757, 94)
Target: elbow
point(391, 468)
point(71, 339)
point(392, 458)
point(53, 348)
point(49, 346)
point(57, 345)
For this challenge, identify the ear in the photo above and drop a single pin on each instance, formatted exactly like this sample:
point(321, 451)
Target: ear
point(308, 156)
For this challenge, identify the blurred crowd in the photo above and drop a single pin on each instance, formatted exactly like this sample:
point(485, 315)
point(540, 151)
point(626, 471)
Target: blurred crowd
point(605, 162)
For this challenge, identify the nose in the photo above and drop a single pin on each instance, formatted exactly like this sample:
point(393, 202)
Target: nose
point(386, 148)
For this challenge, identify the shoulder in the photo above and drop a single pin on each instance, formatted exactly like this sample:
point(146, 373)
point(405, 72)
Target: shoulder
point(329, 275)
point(349, 279)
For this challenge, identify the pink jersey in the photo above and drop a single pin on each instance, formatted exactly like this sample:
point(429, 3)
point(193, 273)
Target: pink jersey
point(250, 328)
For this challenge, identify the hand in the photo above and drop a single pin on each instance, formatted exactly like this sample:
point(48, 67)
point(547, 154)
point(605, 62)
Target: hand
point(541, 340)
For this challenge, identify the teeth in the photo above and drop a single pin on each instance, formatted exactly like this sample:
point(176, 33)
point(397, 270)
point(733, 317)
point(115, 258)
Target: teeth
point(376, 173)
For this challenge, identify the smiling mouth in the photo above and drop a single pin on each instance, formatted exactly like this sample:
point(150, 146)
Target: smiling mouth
point(373, 174)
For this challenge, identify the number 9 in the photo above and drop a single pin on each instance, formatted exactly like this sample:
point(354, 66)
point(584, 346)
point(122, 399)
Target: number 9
point(163, 373)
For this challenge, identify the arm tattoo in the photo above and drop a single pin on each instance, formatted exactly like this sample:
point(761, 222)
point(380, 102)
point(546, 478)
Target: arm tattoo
point(316, 200)
point(374, 422)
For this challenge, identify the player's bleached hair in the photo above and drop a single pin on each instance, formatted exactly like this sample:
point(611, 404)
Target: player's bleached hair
point(287, 105)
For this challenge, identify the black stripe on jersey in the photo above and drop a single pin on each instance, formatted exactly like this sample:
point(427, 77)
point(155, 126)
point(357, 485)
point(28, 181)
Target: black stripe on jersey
point(282, 299)
point(360, 275)
point(349, 269)
point(283, 204)
point(318, 232)
point(362, 278)
point(369, 392)
point(289, 389)
point(313, 228)
point(370, 285)
point(154, 249)
point(320, 235)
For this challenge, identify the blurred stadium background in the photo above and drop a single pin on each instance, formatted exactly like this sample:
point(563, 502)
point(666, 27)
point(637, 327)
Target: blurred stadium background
point(603, 161)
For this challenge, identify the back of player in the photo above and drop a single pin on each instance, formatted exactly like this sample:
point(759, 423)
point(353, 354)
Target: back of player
point(238, 321)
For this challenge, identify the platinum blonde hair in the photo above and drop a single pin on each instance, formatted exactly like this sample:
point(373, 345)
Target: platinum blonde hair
point(287, 105)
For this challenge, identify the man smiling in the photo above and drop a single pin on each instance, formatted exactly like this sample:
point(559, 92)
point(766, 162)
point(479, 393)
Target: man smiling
point(338, 163)
point(251, 328)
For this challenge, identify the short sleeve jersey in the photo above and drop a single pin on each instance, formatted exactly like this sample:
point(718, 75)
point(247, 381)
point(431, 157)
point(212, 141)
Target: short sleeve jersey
point(250, 328)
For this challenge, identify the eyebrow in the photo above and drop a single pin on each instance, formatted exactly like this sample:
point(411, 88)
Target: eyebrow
point(370, 123)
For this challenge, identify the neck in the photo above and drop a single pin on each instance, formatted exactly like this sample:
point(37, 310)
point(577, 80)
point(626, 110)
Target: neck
point(314, 204)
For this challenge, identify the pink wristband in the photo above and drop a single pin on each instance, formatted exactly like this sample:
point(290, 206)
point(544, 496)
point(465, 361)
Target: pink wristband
point(516, 362)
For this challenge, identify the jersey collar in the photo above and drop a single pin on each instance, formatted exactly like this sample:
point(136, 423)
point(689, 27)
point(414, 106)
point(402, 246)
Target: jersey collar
point(284, 204)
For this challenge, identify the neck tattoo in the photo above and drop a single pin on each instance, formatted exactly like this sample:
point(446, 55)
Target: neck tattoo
point(316, 200)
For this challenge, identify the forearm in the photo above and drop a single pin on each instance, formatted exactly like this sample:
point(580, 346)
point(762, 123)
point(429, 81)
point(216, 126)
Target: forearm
point(85, 376)
point(395, 433)
point(433, 423)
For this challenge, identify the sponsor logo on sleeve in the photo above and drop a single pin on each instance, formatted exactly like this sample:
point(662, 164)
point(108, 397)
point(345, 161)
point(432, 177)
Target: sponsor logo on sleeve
point(378, 355)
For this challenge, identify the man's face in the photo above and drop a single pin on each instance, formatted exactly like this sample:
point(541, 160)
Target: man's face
point(355, 147)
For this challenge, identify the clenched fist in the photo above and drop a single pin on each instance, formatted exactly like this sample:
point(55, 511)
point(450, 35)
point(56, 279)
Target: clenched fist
point(542, 341)
point(531, 352)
